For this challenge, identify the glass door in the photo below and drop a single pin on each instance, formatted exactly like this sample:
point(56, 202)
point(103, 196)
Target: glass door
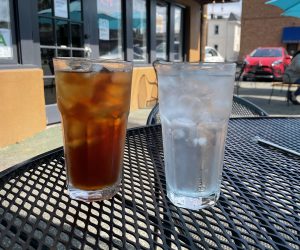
point(61, 34)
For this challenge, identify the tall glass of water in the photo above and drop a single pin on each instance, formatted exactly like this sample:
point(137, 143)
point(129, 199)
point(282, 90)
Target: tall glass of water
point(195, 102)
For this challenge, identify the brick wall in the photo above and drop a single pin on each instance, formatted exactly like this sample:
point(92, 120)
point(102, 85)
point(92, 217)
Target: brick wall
point(262, 25)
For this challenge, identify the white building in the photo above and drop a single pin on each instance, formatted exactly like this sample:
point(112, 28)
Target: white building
point(224, 35)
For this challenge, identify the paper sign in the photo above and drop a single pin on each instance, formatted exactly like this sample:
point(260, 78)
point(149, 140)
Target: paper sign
point(61, 8)
point(5, 44)
point(103, 25)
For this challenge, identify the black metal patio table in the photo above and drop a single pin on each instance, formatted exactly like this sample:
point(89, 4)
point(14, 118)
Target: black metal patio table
point(259, 206)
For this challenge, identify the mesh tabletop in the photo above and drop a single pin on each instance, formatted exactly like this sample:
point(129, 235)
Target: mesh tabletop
point(259, 206)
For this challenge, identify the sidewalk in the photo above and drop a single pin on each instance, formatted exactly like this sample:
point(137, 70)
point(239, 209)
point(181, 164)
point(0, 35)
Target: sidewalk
point(259, 94)
point(49, 139)
point(256, 92)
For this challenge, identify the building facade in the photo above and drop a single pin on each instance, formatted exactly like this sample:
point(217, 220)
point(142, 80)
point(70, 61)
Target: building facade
point(224, 35)
point(262, 25)
point(32, 32)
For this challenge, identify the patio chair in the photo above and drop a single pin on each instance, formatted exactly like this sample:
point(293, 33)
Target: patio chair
point(290, 79)
point(288, 85)
point(244, 108)
point(238, 76)
point(240, 108)
point(154, 117)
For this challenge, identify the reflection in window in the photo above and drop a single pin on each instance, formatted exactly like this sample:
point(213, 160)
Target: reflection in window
point(63, 53)
point(6, 51)
point(76, 32)
point(50, 91)
point(45, 7)
point(161, 32)
point(62, 32)
point(46, 31)
point(47, 64)
point(178, 35)
point(77, 53)
point(75, 10)
point(139, 30)
point(110, 28)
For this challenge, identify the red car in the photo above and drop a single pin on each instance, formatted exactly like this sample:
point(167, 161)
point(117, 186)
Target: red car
point(266, 63)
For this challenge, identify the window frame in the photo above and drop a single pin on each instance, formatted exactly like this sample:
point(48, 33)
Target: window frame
point(151, 31)
point(166, 4)
point(172, 31)
point(24, 24)
point(69, 21)
point(15, 58)
point(123, 32)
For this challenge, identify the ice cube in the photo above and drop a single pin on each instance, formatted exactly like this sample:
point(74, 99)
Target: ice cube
point(121, 78)
point(201, 141)
point(74, 131)
point(168, 84)
point(190, 107)
point(80, 65)
point(183, 122)
point(220, 109)
point(75, 86)
point(97, 68)
point(178, 134)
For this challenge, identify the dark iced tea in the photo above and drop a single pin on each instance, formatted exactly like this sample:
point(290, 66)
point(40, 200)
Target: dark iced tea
point(94, 107)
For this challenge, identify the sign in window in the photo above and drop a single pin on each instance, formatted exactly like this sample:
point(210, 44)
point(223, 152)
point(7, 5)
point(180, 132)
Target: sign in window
point(161, 31)
point(139, 30)
point(110, 29)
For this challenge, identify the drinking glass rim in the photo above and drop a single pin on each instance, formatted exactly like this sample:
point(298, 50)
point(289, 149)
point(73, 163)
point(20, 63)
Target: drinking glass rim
point(164, 62)
point(222, 68)
point(92, 60)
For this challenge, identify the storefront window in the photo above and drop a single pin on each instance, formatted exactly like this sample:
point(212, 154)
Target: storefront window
point(62, 31)
point(45, 7)
point(139, 30)
point(6, 47)
point(61, 34)
point(75, 10)
point(77, 36)
point(161, 31)
point(46, 31)
point(110, 29)
point(178, 34)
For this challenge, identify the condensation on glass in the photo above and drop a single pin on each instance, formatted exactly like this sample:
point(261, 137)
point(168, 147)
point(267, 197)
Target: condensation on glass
point(161, 31)
point(61, 34)
point(178, 34)
point(6, 48)
point(110, 29)
point(139, 30)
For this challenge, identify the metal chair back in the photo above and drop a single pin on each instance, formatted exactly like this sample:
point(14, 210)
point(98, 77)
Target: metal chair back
point(240, 108)
point(244, 108)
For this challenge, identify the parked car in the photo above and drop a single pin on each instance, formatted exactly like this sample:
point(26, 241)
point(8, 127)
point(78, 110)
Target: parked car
point(266, 63)
point(212, 55)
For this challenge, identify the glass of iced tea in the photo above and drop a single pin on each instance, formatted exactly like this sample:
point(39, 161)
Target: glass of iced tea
point(93, 97)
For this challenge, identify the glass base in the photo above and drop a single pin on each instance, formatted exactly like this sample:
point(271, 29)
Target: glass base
point(93, 195)
point(194, 203)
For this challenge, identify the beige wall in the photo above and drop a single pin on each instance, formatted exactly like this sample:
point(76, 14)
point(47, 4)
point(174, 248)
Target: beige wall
point(144, 91)
point(262, 25)
point(22, 105)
